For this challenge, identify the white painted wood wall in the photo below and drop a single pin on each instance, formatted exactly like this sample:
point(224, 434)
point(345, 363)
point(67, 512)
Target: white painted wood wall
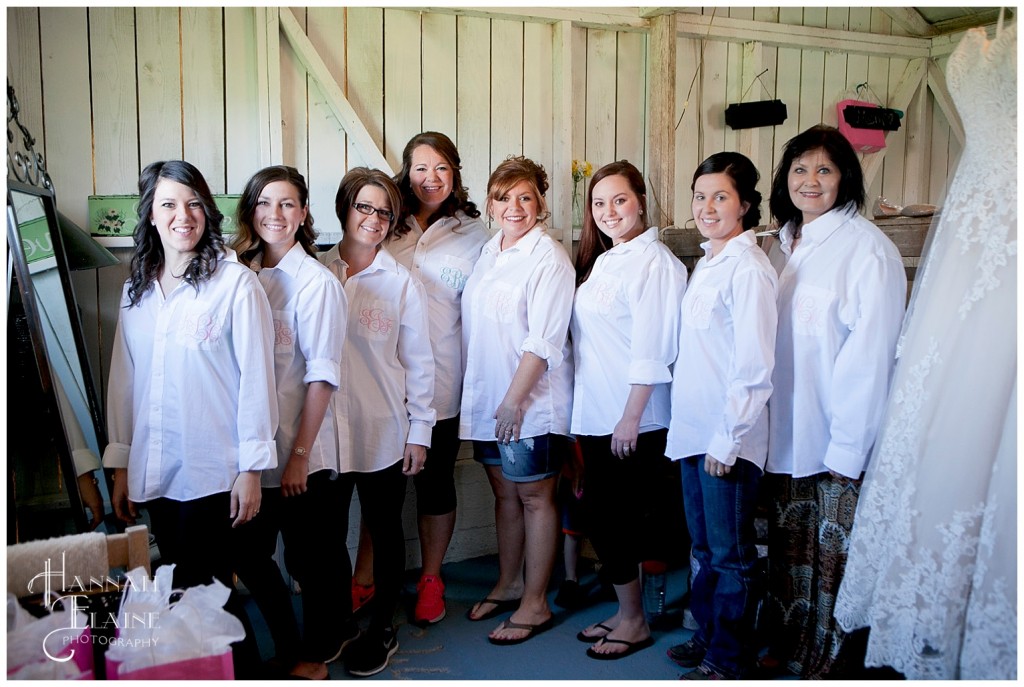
point(108, 90)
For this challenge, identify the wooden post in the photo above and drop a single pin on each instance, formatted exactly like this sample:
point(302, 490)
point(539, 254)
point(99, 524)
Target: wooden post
point(563, 143)
point(661, 135)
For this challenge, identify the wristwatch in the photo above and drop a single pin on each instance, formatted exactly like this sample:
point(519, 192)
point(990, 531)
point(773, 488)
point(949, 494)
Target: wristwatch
point(299, 451)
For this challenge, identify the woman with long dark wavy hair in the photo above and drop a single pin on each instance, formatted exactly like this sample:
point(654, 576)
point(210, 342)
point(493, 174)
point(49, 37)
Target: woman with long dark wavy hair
point(191, 407)
point(276, 240)
point(438, 239)
point(624, 338)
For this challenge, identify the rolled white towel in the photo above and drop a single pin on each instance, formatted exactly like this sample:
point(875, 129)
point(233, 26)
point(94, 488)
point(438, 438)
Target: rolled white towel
point(69, 564)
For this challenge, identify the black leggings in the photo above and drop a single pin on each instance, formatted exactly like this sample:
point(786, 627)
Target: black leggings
point(620, 502)
point(315, 562)
point(435, 487)
point(196, 536)
point(381, 497)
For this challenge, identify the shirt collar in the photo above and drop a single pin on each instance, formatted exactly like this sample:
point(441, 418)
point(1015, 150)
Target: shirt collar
point(735, 246)
point(289, 264)
point(525, 244)
point(638, 243)
point(383, 261)
point(820, 229)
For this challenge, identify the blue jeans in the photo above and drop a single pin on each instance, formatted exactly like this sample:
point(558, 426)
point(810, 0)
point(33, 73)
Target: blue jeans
point(723, 599)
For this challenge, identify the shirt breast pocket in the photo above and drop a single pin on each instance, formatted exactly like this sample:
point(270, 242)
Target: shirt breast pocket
point(811, 306)
point(284, 331)
point(376, 320)
point(698, 306)
point(455, 272)
point(200, 327)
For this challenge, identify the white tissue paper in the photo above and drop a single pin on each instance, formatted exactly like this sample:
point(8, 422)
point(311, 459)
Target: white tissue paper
point(152, 631)
point(41, 648)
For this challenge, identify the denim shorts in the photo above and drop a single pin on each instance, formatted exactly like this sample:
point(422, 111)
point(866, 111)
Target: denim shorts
point(528, 460)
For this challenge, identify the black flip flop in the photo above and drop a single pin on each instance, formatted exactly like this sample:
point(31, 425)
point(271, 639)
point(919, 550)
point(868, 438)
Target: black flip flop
point(500, 606)
point(631, 648)
point(593, 639)
point(534, 630)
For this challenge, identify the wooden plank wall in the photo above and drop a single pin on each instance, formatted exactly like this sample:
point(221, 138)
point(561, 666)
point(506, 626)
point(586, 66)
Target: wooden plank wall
point(918, 159)
point(108, 90)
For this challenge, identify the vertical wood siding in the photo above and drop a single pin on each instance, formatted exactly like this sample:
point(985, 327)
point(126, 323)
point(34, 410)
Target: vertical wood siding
point(108, 90)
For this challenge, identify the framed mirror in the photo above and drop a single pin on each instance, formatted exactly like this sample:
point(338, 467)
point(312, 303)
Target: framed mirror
point(55, 427)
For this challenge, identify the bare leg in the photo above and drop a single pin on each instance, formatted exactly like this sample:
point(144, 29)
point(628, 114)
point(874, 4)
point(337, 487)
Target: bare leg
point(629, 624)
point(508, 516)
point(541, 528)
point(435, 536)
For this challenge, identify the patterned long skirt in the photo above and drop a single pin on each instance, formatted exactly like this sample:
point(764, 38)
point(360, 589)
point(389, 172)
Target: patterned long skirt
point(810, 519)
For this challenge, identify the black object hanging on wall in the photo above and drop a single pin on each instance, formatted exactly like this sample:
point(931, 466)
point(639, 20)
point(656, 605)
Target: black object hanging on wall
point(760, 113)
point(883, 118)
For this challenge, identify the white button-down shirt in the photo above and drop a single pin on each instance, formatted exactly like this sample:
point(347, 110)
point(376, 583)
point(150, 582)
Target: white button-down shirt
point(191, 401)
point(722, 379)
point(387, 368)
point(625, 328)
point(310, 316)
point(442, 258)
point(841, 302)
point(517, 301)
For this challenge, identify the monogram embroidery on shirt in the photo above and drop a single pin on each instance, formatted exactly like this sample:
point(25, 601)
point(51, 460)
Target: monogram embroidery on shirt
point(202, 328)
point(604, 295)
point(375, 320)
point(810, 308)
point(283, 334)
point(453, 277)
point(503, 304)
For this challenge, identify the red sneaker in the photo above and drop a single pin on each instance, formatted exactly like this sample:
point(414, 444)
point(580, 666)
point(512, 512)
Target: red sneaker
point(361, 595)
point(429, 600)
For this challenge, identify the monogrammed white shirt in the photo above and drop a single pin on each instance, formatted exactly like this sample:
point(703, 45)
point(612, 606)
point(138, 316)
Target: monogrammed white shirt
point(841, 301)
point(191, 399)
point(722, 378)
point(310, 316)
point(625, 329)
point(387, 368)
point(518, 300)
point(442, 258)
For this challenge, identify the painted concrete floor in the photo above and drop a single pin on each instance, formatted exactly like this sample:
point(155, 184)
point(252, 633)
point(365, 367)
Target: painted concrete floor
point(457, 648)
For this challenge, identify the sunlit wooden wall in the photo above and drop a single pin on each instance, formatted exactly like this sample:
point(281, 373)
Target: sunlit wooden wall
point(108, 90)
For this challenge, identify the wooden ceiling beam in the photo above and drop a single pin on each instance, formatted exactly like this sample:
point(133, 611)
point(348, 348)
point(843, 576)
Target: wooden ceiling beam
point(911, 20)
point(800, 37)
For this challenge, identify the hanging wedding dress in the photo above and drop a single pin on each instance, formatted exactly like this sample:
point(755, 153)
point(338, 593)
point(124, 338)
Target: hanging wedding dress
point(933, 557)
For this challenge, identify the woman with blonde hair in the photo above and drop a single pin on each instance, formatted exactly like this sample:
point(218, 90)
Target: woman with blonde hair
point(517, 391)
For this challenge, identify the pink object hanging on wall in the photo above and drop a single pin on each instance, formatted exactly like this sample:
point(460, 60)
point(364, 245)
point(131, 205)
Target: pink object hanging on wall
point(862, 140)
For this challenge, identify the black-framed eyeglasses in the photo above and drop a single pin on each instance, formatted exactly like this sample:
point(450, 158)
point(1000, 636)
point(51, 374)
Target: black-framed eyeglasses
point(368, 209)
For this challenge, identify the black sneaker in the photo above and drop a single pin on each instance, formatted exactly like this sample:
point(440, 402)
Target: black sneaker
point(689, 654)
point(370, 653)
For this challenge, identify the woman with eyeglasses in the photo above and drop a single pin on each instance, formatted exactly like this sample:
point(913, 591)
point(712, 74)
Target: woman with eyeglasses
point(387, 384)
point(438, 238)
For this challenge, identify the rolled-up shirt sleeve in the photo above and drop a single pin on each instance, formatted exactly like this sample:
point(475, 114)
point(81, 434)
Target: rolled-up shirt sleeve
point(416, 356)
point(548, 311)
point(654, 340)
point(253, 343)
point(755, 317)
point(323, 327)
